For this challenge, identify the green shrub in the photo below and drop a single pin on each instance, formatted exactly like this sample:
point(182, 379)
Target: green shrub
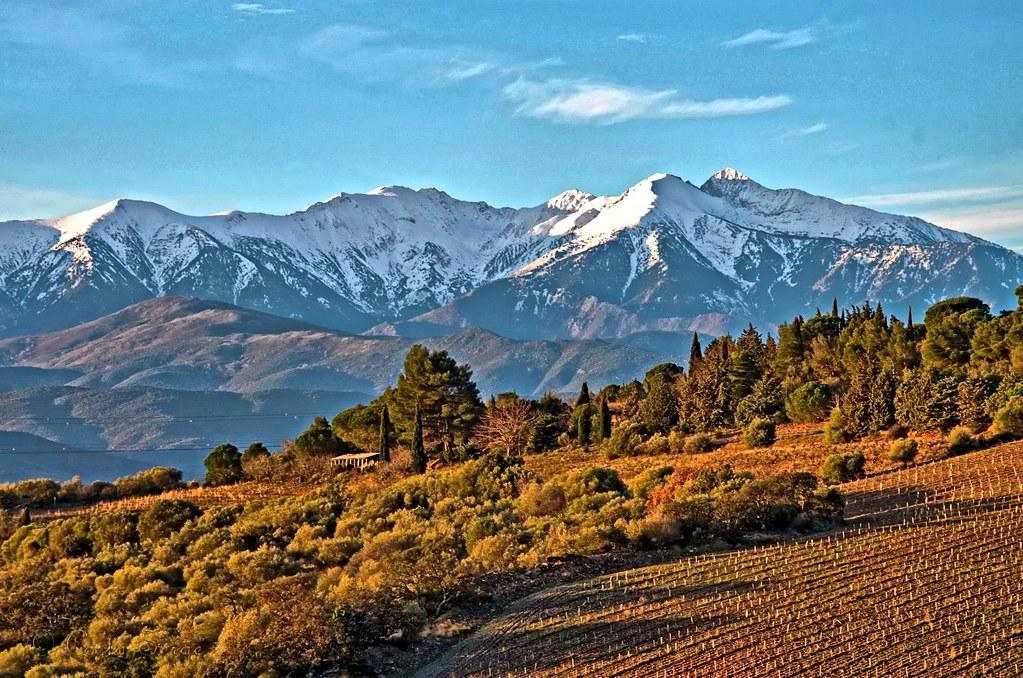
point(843, 468)
point(759, 433)
point(624, 441)
point(165, 517)
point(699, 443)
point(836, 431)
point(961, 441)
point(646, 482)
point(1009, 419)
point(16, 661)
point(903, 451)
point(655, 444)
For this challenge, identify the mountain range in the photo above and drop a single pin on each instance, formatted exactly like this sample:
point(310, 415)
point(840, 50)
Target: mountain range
point(665, 255)
point(132, 335)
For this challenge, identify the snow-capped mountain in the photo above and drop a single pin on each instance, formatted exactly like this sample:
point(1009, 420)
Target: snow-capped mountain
point(663, 255)
point(346, 263)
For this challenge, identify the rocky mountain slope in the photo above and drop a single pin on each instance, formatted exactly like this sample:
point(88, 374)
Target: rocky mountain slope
point(195, 345)
point(665, 255)
point(165, 380)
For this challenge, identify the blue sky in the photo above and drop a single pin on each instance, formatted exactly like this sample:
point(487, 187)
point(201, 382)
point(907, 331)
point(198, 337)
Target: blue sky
point(911, 107)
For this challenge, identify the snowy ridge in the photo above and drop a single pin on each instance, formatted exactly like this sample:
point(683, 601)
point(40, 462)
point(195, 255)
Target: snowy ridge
point(663, 248)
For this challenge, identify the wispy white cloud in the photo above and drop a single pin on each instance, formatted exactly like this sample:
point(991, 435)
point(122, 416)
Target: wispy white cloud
point(632, 37)
point(463, 70)
point(1001, 221)
point(808, 131)
point(578, 101)
point(968, 194)
point(376, 54)
point(775, 39)
point(260, 8)
point(939, 164)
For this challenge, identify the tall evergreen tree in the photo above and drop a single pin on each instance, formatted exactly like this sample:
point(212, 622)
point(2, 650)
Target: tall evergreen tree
point(418, 448)
point(659, 409)
point(834, 307)
point(385, 434)
point(583, 424)
point(695, 352)
point(584, 395)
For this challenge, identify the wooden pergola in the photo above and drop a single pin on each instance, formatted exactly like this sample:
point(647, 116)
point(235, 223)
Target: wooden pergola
point(356, 461)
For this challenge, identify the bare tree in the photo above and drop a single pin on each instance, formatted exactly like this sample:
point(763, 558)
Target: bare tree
point(508, 425)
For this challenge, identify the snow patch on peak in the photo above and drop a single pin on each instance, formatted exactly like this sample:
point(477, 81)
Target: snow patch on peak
point(570, 200)
point(77, 225)
point(729, 174)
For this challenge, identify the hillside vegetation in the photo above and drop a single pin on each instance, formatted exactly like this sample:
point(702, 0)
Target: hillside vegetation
point(756, 441)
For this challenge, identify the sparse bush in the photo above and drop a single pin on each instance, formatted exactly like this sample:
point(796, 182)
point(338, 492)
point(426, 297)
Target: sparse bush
point(624, 441)
point(836, 431)
point(843, 468)
point(699, 443)
point(903, 451)
point(16, 661)
point(655, 444)
point(759, 433)
point(164, 517)
point(1009, 419)
point(960, 441)
point(647, 481)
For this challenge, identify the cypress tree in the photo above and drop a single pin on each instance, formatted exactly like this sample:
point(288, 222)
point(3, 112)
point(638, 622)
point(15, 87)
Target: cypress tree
point(583, 424)
point(605, 420)
point(26, 517)
point(584, 395)
point(834, 307)
point(418, 450)
point(385, 434)
point(695, 352)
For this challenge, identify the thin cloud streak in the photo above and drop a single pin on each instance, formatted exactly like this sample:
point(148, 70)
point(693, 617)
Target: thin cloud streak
point(774, 39)
point(1002, 221)
point(259, 8)
point(809, 131)
point(944, 195)
point(632, 37)
point(582, 101)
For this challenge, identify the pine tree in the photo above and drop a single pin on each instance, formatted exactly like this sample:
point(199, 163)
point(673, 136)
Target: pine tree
point(695, 353)
point(418, 449)
point(443, 392)
point(584, 395)
point(385, 434)
point(747, 364)
point(659, 410)
point(834, 307)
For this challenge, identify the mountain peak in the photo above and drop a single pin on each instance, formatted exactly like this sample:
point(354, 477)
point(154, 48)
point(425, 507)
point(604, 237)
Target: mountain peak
point(570, 200)
point(729, 174)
